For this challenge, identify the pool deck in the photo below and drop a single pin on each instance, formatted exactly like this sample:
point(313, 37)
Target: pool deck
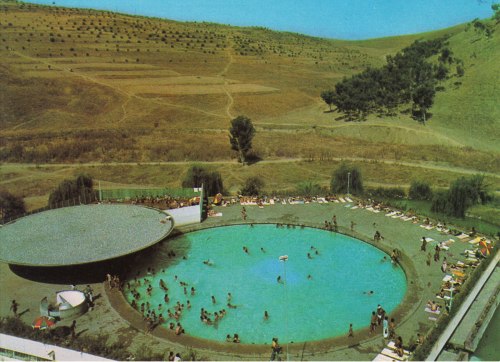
point(113, 317)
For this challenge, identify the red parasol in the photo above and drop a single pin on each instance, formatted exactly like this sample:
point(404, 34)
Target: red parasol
point(485, 248)
point(43, 322)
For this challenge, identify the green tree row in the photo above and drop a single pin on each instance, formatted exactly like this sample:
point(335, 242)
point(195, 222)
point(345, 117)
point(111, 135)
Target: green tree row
point(407, 77)
point(81, 189)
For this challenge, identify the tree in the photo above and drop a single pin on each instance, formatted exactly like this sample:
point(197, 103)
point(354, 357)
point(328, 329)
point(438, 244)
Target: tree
point(496, 12)
point(420, 190)
point(80, 189)
point(462, 194)
point(347, 179)
point(241, 135)
point(253, 186)
point(328, 97)
point(197, 176)
point(423, 98)
point(11, 206)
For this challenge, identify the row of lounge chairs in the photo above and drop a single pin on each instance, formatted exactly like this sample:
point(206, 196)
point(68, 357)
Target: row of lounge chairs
point(249, 201)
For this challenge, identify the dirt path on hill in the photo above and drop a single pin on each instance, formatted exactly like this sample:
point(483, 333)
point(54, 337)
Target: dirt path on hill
point(223, 74)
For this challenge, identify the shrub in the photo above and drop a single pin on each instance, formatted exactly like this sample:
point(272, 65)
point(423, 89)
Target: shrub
point(253, 186)
point(197, 176)
point(386, 192)
point(347, 180)
point(80, 189)
point(11, 206)
point(309, 189)
point(420, 190)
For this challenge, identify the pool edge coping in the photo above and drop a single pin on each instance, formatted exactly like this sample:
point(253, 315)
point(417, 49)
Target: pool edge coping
point(405, 309)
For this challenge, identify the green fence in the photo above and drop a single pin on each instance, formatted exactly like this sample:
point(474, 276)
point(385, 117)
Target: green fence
point(121, 194)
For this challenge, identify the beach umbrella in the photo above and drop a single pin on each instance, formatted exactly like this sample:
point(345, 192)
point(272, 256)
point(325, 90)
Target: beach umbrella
point(485, 247)
point(43, 322)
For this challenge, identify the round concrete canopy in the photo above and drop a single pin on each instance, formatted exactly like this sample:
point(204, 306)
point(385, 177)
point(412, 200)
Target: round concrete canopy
point(81, 234)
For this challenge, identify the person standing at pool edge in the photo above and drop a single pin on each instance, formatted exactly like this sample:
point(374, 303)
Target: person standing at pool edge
point(276, 348)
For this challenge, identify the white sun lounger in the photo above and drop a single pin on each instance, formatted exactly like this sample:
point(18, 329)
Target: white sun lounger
point(390, 353)
point(391, 213)
point(406, 218)
point(337, 201)
point(354, 207)
point(341, 199)
point(383, 357)
point(428, 310)
point(397, 216)
point(348, 199)
point(429, 227)
point(446, 297)
point(447, 278)
point(462, 236)
point(392, 346)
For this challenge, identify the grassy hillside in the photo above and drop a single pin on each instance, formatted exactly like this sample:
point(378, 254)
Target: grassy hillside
point(89, 86)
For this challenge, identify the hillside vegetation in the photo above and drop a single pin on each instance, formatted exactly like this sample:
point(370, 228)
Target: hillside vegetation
point(91, 86)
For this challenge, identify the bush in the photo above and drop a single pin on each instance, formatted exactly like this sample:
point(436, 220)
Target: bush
point(11, 206)
point(197, 176)
point(386, 192)
point(347, 180)
point(253, 186)
point(440, 202)
point(80, 189)
point(420, 190)
point(309, 189)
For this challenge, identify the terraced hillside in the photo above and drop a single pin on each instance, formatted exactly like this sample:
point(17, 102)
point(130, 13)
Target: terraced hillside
point(80, 86)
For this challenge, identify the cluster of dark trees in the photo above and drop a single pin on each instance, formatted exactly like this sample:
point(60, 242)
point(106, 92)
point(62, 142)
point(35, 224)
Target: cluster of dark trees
point(462, 194)
point(11, 206)
point(198, 176)
point(80, 190)
point(408, 77)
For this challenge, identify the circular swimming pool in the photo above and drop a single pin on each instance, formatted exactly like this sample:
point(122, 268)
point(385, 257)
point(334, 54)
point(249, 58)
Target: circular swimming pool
point(329, 281)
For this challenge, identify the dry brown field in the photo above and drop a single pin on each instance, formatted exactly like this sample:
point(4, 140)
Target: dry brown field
point(101, 89)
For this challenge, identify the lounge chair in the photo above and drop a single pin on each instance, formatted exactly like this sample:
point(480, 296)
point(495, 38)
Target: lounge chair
point(383, 357)
point(392, 354)
point(428, 310)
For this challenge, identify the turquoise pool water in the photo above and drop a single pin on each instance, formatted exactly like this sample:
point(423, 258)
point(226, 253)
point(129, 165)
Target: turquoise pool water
point(320, 296)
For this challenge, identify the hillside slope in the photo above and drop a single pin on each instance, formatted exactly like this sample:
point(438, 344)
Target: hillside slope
point(83, 85)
